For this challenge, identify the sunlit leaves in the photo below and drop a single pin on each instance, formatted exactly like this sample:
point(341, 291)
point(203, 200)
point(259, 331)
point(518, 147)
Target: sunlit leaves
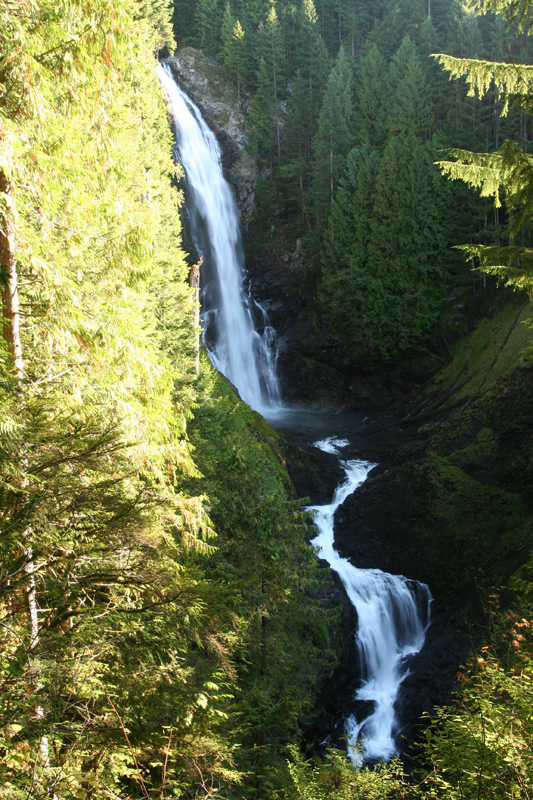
point(483, 745)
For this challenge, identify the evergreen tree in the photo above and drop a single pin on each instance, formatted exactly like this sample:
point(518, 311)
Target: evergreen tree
point(234, 48)
point(404, 17)
point(295, 171)
point(184, 23)
point(93, 426)
point(343, 286)
point(307, 38)
point(410, 112)
point(405, 251)
point(274, 56)
point(226, 34)
point(157, 13)
point(208, 24)
point(481, 745)
point(504, 174)
point(333, 138)
point(372, 100)
point(468, 41)
point(401, 62)
point(262, 114)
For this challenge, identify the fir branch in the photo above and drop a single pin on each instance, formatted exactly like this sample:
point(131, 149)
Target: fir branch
point(510, 80)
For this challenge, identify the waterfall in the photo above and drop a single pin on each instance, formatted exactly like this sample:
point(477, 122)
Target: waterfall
point(245, 355)
point(393, 613)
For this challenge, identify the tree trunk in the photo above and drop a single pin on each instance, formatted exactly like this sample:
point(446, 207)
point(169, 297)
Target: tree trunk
point(11, 329)
point(10, 298)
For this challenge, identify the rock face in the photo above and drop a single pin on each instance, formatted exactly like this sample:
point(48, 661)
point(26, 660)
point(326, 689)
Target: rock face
point(200, 77)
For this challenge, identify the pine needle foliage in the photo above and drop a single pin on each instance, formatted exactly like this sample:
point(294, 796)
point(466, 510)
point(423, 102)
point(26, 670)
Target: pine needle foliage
point(120, 682)
point(504, 175)
point(517, 12)
point(513, 82)
point(267, 579)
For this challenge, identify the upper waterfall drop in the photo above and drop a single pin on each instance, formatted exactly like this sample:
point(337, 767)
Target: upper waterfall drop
point(243, 354)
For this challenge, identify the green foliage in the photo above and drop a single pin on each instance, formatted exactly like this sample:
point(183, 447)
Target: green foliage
point(335, 778)
point(234, 47)
point(207, 21)
point(333, 139)
point(482, 746)
point(506, 171)
point(517, 12)
point(158, 14)
point(268, 572)
point(405, 249)
point(93, 436)
point(262, 115)
point(372, 100)
point(343, 288)
point(383, 254)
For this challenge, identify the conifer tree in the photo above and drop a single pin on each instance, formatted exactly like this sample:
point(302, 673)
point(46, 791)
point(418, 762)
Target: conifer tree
point(157, 14)
point(343, 287)
point(262, 114)
point(372, 100)
point(308, 35)
point(234, 48)
point(208, 24)
point(403, 18)
point(505, 174)
point(226, 34)
point(274, 56)
point(333, 139)
point(295, 171)
point(405, 251)
point(92, 440)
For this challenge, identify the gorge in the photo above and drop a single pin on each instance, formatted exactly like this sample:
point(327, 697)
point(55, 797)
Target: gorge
point(168, 631)
point(392, 612)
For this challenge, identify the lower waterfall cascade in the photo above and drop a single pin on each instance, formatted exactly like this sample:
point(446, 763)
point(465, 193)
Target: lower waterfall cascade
point(393, 612)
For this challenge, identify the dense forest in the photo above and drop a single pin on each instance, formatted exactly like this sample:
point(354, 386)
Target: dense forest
point(349, 113)
point(164, 625)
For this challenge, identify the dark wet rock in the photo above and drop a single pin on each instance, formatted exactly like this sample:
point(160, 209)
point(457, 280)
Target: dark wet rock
point(432, 678)
point(449, 505)
point(316, 367)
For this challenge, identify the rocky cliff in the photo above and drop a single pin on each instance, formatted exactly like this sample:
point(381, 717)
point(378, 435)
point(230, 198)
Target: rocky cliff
point(200, 76)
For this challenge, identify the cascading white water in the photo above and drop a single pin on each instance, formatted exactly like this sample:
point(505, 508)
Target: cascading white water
point(392, 611)
point(236, 348)
point(393, 614)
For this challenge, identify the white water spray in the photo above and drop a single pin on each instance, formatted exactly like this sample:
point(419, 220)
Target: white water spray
point(245, 356)
point(393, 613)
